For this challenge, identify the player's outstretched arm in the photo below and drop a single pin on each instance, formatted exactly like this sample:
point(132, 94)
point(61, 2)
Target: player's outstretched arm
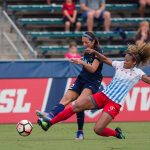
point(102, 57)
point(89, 67)
point(146, 79)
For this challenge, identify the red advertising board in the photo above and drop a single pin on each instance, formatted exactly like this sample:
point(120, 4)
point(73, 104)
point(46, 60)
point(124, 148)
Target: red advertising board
point(19, 98)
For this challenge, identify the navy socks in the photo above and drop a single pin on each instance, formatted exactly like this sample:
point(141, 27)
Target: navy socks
point(56, 110)
point(80, 120)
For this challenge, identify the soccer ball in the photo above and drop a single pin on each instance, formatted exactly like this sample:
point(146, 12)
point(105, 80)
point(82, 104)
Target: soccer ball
point(24, 127)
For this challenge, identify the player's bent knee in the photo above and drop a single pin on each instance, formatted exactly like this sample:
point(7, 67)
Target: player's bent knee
point(76, 107)
point(65, 100)
point(97, 130)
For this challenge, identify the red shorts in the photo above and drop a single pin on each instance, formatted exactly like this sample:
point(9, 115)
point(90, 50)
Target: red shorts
point(102, 101)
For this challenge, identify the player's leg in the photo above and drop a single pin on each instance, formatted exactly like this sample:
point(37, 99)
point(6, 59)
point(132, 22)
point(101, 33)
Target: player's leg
point(110, 111)
point(100, 126)
point(77, 106)
point(80, 124)
point(80, 115)
point(101, 129)
point(67, 98)
point(71, 95)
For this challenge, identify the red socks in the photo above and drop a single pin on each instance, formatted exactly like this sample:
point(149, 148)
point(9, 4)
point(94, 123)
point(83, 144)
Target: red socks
point(108, 132)
point(68, 112)
point(65, 114)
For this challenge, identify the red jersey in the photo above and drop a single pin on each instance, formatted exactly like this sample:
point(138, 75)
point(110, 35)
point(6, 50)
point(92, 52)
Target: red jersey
point(70, 8)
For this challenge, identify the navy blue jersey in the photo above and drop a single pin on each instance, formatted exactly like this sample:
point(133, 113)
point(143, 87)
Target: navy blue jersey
point(95, 77)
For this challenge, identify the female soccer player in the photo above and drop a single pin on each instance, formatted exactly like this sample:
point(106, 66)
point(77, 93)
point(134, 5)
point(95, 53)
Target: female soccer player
point(87, 83)
point(110, 99)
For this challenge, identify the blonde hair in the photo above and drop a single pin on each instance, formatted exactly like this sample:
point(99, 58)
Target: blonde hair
point(140, 53)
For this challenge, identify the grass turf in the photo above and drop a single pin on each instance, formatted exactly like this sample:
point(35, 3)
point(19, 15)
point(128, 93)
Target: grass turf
point(61, 137)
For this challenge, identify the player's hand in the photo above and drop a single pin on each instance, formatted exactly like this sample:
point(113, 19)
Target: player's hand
point(89, 51)
point(76, 60)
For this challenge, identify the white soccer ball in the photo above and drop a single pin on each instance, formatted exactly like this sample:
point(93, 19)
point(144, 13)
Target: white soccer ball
point(24, 127)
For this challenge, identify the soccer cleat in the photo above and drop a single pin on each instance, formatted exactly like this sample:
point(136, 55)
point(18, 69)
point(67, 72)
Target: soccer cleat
point(43, 115)
point(79, 135)
point(120, 134)
point(45, 124)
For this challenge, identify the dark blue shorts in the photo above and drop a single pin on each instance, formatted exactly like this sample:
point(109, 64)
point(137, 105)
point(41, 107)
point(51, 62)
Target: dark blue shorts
point(81, 84)
point(100, 19)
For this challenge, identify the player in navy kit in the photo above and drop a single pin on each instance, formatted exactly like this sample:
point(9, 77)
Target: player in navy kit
point(88, 82)
point(110, 99)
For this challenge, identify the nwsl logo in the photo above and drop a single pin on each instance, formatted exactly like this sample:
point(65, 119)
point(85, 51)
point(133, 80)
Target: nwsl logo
point(12, 100)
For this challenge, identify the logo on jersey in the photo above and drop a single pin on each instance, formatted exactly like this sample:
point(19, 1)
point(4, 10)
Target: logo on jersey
point(111, 108)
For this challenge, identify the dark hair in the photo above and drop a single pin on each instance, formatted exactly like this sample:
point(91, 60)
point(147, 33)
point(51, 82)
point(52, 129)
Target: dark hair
point(91, 36)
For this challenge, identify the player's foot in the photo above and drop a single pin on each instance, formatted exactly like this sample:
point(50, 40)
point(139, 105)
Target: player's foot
point(43, 115)
point(45, 124)
point(79, 135)
point(120, 134)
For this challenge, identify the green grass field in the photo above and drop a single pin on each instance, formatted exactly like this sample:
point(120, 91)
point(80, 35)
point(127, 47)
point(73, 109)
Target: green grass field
point(61, 137)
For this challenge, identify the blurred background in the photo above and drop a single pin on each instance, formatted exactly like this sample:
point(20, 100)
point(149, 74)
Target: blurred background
point(35, 29)
point(36, 40)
